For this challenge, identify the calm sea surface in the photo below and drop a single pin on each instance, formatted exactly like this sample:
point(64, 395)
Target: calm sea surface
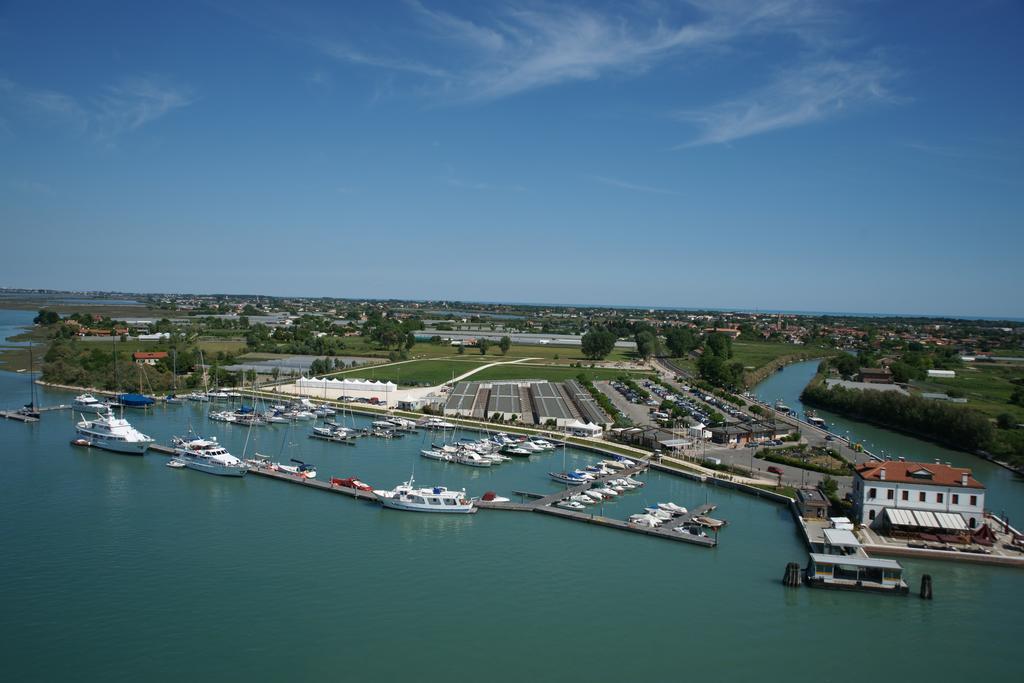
point(117, 568)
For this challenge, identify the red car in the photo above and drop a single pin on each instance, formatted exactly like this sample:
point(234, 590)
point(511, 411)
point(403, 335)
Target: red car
point(775, 470)
point(351, 483)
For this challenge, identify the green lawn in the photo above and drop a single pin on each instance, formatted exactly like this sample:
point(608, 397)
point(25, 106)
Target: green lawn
point(753, 355)
point(553, 373)
point(756, 354)
point(417, 372)
point(209, 346)
point(987, 387)
point(361, 346)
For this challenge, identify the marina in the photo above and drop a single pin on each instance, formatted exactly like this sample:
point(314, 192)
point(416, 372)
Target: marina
point(274, 526)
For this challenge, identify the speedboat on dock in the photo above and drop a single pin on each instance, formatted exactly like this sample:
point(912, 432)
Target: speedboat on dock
point(299, 469)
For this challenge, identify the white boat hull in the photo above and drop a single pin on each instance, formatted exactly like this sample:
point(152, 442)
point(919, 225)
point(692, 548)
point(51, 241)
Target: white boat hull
point(115, 445)
point(412, 507)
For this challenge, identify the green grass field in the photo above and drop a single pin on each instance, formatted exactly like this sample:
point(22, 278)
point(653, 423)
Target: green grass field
point(987, 387)
point(754, 355)
point(439, 370)
point(553, 373)
point(417, 372)
point(209, 346)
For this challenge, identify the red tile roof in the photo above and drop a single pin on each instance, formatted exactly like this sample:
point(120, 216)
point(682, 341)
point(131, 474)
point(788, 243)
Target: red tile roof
point(927, 473)
point(148, 355)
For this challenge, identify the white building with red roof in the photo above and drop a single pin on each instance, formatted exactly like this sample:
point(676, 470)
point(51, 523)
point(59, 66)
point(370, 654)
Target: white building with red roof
point(924, 491)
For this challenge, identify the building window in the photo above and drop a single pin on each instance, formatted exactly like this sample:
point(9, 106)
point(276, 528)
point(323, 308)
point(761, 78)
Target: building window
point(921, 496)
point(889, 494)
point(938, 497)
point(956, 499)
point(974, 501)
point(906, 495)
point(872, 492)
point(871, 515)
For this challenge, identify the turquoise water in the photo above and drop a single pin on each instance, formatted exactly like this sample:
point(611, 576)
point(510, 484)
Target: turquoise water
point(119, 568)
point(13, 323)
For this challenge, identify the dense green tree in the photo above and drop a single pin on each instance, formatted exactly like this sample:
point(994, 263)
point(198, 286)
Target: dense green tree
point(46, 317)
point(597, 343)
point(719, 344)
point(484, 344)
point(680, 341)
point(846, 365)
point(505, 344)
point(646, 343)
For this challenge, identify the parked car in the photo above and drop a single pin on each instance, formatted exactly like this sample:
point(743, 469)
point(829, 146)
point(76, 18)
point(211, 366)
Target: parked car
point(775, 470)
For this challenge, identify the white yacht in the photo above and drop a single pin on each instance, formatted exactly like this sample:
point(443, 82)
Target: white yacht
point(113, 434)
point(87, 403)
point(206, 455)
point(436, 499)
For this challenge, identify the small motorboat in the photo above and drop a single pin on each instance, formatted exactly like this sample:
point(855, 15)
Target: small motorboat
point(626, 462)
point(299, 469)
point(492, 497)
point(614, 464)
point(569, 505)
point(658, 513)
point(709, 522)
point(176, 464)
point(644, 520)
point(635, 482)
point(516, 450)
point(673, 508)
point(607, 492)
point(691, 529)
point(569, 478)
point(351, 483)
point(582, 499)
point(593, 495)
point(435, 455)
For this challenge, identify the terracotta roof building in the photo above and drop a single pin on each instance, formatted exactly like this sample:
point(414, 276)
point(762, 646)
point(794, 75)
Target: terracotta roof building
point(916, 486)
point(148, 357)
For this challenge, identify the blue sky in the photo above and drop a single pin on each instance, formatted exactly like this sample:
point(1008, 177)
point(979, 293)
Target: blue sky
point(784, 154)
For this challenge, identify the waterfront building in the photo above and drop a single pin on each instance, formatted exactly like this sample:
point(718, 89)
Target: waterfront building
point(148, 357)
point(941, 493)
point(811, 503)
point(875, 375)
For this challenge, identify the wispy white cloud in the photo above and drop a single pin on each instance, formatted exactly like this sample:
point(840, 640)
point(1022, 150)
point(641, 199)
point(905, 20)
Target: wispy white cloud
point(625, 185)
point(513, 49)
point(134, 102)
point(345, 52)
point(119, 108)
point(797, 96)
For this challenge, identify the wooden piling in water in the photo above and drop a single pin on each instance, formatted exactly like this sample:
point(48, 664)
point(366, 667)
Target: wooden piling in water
point(792, 576)
point(926, 586)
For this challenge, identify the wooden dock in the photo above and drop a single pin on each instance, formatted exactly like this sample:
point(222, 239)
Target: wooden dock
point(348, 441)
point(546, 504)
point(21, 417)
point(542, 503)
point(313, 483)
point(657, 532)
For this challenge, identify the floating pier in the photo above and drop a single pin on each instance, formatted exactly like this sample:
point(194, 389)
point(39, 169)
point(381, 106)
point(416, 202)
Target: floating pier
point(22, 417)
point(545, 504)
